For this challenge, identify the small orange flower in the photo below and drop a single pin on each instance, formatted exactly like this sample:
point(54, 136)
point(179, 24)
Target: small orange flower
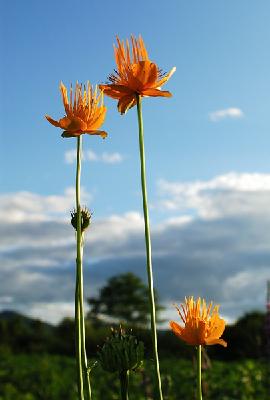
point(135, 75)
point(84, 115)
point(201, 326)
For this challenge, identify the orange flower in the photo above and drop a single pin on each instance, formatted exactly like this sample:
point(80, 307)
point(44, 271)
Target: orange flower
point(84, 115)
point(201, 326)
point(135, 75)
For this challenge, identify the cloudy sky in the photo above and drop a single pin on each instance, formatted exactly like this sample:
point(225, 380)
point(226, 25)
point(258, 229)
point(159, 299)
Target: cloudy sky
point(207, 150)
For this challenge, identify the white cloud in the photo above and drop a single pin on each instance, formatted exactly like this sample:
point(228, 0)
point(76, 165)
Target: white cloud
point(29, 207)
point(70, 156)
point(215, 244)
point(107, 158)
point(4, 300)
point(52, 312)
point(248, 280)
point(229, 194)
point(232, 112)
point(111, 158)
point(90, 155)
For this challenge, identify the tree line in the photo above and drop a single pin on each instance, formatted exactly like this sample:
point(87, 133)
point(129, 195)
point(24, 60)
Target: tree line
point(124, 299)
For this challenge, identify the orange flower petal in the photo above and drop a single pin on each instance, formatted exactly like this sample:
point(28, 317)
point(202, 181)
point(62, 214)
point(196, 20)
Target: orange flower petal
point(166, 77)
point(72, 124)
point(135, 75)
point(64, 122)
point(145, 73)
point(217, 328)
point(84, 111)
point(52, 121)
point(216, 341)
point(103, 134)
point(201, 326)
point(115, 91)
point(194, 332)
point(201, 332)
point(156, 93)
point(126, 102)
point(97, 120)
point(132, 82)
point(65, 98)
point(177, 329)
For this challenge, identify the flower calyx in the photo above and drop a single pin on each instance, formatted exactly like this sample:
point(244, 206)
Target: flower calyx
point(121, 352)
point(85, 218)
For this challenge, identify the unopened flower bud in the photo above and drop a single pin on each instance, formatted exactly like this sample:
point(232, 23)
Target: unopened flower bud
point(85, 219)
point(121, 352)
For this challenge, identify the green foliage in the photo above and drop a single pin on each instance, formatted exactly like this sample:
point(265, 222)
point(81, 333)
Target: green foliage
point(20, 333)
point(121, 352)
point(245, 380)
point(25, 377)
point(246, 338)
point(33, 377)
point(249, 336)
point(125, 298)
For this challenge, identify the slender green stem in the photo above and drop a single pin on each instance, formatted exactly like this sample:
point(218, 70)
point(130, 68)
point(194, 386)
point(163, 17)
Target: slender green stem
point(124, 380)
point(78, 313)
point(83, 348)
point(148, 247)
point(83, 375)
point(199, 372)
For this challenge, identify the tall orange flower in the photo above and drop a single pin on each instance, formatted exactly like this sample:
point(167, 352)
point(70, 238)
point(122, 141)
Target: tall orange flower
point(135, 75)
point(201, 325)
point(85, 112)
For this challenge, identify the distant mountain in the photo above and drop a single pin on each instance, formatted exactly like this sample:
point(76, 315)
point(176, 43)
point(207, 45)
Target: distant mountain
point(10, 315)
point(23, 334)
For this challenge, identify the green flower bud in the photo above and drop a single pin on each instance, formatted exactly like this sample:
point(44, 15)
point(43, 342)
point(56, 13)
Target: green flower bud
point(85, 217)
point(121, 352)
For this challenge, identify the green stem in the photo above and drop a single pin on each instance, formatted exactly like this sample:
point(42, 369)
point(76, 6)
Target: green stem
point(199, 372)
point(78, 314)
point(124, 381)
point(81, 350)
point(148, 248)
point(83, 347)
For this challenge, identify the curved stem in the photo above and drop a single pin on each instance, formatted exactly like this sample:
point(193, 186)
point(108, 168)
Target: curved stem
point(148, 247)
point(199, 372)
point(78, 313)
point(124, 380)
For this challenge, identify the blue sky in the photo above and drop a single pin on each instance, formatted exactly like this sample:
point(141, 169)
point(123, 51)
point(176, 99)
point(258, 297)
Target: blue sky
point(207, 147)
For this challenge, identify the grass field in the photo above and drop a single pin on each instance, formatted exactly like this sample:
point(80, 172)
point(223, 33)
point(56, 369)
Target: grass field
point(46, 377)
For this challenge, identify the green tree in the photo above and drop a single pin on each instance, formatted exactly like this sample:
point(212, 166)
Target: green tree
point(124, 299)
point(248, 336)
